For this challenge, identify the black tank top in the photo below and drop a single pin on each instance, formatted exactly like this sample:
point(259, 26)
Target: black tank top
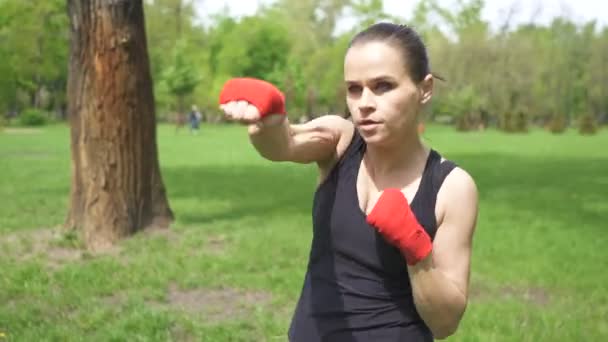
point(356, 286)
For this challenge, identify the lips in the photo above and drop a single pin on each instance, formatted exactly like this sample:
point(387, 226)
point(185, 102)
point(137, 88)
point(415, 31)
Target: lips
point(367, 122)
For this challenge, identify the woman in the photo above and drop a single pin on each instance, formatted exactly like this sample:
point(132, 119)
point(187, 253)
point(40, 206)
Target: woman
point(392, 220)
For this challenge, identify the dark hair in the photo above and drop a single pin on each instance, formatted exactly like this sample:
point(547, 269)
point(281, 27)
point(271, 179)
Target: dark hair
point(406, 39)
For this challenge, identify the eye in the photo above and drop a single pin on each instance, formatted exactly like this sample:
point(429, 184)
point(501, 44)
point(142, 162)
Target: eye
point(384, 86)
point(354, 89)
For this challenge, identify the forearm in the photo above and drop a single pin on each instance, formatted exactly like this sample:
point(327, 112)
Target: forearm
point(271, 137)
point(439, 301)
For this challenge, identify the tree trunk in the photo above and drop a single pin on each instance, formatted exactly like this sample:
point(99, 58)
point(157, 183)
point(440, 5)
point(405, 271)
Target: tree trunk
point(117, 188)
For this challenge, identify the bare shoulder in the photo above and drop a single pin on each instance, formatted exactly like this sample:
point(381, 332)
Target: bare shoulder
point(346, 130)
point(460, 182)
point(458, 197)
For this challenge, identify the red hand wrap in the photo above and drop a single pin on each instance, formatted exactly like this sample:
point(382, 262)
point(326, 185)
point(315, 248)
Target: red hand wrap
point(263, 95)
point(394, 219)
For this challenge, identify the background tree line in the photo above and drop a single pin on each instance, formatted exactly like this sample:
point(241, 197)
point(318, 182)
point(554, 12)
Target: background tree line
point(552, 75)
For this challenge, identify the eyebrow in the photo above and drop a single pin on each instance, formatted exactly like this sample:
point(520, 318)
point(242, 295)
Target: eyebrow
point(376, 79)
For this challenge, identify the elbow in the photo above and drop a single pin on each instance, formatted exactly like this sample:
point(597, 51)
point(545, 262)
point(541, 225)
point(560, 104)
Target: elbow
point(273, 154)
point(274, 157)
point(448, 326)
point(444, 331)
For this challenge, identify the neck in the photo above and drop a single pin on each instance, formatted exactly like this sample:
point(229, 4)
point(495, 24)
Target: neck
point(405, 156)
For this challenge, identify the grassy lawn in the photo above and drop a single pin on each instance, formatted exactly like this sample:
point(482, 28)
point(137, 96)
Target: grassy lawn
point(231, 267)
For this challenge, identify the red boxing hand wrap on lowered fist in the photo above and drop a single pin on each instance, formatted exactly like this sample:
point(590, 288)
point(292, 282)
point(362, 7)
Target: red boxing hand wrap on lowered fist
point(263, 95)
point(394, 219)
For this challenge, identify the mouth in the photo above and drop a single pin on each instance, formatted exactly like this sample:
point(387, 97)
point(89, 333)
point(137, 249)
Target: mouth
point(367, 122)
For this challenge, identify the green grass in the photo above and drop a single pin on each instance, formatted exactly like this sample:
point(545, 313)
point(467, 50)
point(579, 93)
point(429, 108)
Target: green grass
point(232, 266)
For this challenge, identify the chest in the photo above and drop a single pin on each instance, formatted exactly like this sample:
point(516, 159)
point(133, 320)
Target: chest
point(368, 190)
point(339, 220)
point(342, 203)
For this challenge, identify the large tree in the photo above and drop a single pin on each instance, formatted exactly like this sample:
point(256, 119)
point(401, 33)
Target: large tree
point(117, 188)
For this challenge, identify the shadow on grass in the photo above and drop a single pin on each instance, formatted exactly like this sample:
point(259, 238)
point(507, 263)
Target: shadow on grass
point(572, 190)
point(251, 190)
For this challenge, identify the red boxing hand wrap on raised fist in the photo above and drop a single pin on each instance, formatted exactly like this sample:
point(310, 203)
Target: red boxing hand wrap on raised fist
point(263, 95)
point(394, 219)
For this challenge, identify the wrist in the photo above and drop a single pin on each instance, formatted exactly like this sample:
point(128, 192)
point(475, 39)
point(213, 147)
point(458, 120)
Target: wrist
point(422, 265)
point(417, 247)
point(272, 120)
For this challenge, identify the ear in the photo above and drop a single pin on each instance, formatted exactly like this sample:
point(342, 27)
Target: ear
point(426, 89)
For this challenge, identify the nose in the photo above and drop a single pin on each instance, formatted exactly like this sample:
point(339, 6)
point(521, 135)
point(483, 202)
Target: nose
point(367, 102)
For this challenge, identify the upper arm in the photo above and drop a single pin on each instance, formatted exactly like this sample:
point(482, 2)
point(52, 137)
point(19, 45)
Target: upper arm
point(321, 140)
point(457, 205)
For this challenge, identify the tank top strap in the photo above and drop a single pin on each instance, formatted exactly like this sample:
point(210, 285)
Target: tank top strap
point(355, 148)
point(423, 206)
point(440, 172)
point(348, 163)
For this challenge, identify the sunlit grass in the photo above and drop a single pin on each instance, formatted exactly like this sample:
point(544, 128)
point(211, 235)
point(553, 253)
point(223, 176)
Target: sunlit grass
point(232, 265)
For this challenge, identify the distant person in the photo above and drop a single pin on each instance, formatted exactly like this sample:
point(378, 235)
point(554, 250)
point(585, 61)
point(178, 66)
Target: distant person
point(195, 118)
point(393, 220)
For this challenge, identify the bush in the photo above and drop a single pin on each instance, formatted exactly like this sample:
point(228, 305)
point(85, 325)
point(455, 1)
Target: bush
point(587, 124)
point(521, 123)
point(514, 123)
point(506, 122)
point(557, 124)
point(463, 123)
point(33, 117)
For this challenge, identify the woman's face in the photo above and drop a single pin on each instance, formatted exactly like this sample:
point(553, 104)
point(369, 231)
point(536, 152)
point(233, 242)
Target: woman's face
point(382, 98)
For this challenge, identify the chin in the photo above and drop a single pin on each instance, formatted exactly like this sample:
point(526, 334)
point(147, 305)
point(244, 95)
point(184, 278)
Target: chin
point(373, 137)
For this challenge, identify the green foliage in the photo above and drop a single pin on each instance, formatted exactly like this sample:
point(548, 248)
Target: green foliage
point(262, 50)
point(369, 12)
point(465, 21)
point(33, 50)
point(181, 76)
point(528, 69)
point(33, 117)
point(466, 105)
point(8, 86)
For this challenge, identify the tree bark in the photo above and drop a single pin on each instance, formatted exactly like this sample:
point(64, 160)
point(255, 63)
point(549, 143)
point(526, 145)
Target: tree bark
point(117, 188)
